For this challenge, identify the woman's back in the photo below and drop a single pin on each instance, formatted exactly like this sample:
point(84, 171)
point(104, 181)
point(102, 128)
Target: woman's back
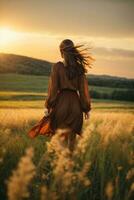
point(64, 81)
point(60, 81)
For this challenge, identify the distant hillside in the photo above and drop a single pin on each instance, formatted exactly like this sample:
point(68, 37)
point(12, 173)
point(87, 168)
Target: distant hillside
point(10, 63)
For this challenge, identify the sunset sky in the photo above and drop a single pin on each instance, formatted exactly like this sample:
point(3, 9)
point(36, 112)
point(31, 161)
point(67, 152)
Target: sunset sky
point(36, 27)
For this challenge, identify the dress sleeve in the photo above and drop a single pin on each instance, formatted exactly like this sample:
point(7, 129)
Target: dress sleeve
point(53, 87)
point(85, 99)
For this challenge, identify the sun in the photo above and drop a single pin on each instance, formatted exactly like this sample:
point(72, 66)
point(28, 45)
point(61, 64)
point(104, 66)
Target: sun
point(7, 36)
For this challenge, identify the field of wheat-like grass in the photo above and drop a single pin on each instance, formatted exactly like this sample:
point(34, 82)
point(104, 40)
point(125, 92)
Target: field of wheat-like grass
point(100, 168)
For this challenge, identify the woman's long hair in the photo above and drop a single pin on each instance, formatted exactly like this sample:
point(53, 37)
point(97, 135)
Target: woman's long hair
point(76, 60)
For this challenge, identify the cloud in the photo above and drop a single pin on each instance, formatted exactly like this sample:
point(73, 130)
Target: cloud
point(113, 53)
point(117, 62)
point(123, 68)
point(108, 18)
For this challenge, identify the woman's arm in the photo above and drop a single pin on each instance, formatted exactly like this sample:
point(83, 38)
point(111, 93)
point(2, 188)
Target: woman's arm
point(53, 88)
point(85, 99)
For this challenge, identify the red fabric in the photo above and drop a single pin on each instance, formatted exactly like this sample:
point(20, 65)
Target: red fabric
point(41, 128)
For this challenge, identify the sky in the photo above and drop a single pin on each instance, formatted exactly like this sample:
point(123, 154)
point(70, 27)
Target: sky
point(36, 27)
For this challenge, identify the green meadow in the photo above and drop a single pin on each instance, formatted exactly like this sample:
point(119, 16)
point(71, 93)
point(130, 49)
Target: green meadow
point(30, 91)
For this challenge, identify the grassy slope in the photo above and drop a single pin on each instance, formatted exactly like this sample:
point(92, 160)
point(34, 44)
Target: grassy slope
point(23, 83)
point(11, 63)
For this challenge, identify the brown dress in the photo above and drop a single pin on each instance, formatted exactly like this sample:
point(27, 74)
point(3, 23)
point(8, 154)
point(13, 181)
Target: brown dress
point(68, 99)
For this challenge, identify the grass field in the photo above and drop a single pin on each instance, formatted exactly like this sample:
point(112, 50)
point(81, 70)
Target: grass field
point(38, 84)
point(101, 168)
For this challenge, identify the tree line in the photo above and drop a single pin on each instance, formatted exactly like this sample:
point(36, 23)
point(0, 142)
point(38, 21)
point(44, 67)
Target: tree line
point(126, 95)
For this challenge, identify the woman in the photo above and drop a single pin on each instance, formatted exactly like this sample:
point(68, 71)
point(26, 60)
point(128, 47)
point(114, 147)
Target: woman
point(68, 96)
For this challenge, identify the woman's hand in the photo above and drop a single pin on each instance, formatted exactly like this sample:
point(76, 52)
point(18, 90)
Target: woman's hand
point(86, 115)
point(49, 110)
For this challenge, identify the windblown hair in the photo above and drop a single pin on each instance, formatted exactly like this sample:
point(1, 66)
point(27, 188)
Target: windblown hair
point(76, 60)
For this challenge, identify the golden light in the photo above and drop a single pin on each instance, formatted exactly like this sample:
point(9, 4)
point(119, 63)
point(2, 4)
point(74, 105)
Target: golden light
point(7, 36)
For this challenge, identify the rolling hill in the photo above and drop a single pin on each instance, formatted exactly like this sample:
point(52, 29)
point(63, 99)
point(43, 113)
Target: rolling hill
point(20, 73)
point(11, 63)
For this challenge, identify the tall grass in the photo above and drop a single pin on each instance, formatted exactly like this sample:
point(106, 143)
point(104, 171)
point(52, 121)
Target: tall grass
point(101, 166)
